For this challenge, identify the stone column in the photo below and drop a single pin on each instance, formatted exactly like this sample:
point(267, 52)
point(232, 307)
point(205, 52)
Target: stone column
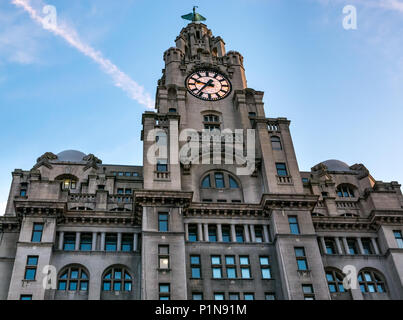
point(345, 245)
point(246, 232)
point(323, 244)
point(94, 241)
point(61, 240)
point(360, 247)
point(219, 232)
point(340, 251)
point(252, 233)
point(119, 244)
point(135, 241)
point(186, 232)
point(375, 245)
point(233, 233)
point(206, 232)
point(266, 233)
point(199, 232)
point(78, 236)
point(102, 241)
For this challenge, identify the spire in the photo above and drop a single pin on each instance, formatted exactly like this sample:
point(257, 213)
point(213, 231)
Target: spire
point(194, 17)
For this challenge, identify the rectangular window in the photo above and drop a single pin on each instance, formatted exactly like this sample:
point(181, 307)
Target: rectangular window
point(330, 246)
point(197, 296)
point(195, 267)
point(352, 246)
point(234, 296)
point(230, 267)
point(120, 191)
point(281, 170)
point(23, 192)
point(216, 267)
point(192, 231)
point(111, 242)
point(163, 222)
point(164, 291)
point(26, 297)
point(37, 232)
point(249, 296)
point(226, 233)
point(162, 165)
point(239, 234)
point(69, 243)
point(307, 290)
point(127, 242)
point(219, 296)
point(245, 267)
point(219, 180)
point(212, 233)
point(258, 234)
point(367, 246)
point(269, 296)
point(301, 259)
point(293, 222)
point(86, 242)
point(399, 238)
point(163, 256)
point(30, 269)
point(265, 267)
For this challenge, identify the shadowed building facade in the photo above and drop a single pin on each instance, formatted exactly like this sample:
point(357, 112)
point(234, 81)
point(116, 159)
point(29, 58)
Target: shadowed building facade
point(195, 230)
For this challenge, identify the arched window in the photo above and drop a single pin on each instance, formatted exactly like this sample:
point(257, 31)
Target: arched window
point(276, 143)
point(371, 281)
point(172, 110)
point(73, 278)
point(68, 181)
point(211, 122)
point(117, 279)
point(219, 180)
point(233, 184)
point(335, 280)
point(345, 191)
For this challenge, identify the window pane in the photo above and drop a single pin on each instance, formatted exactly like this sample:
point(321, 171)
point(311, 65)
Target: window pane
point(196, 273)
point(107, 286)
point(128, 286)
point(62, 285)
point(243, 260)
point(299, 252)
point(245, 273)
point(84, 286)
point(234, 296)
point(197, 296)
point(232, 183)
point(117, 286)
point(194, 260)
point(266, 273)
point(332, 288)
point(302, 265)
point(219, 180)
point(264, 261)
point(215, 260)
point(164, 288)
point(206, 182)
point(74, 274)
point(218, 296)
point(217, 273)
point(231, 273)
point(32, 261)
point(230, 260)
point(248, 296)
point(30, 274)
point(73, 286)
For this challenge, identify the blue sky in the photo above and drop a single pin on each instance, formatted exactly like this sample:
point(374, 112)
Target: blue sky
point(342, 89)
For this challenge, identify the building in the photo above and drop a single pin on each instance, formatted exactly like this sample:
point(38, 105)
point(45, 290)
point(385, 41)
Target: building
point(191, 230)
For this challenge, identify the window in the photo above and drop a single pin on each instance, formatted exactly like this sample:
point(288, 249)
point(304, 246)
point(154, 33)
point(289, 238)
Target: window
point(265, 267)
point(73, 279)
point(219, 296)
point(68, 184)
point(367, 246)
point(249, 296)
point(345, 191)
point(293, 222)
point(239, 234)
point(216, 267)
point(269, 296)
point(281, 170)
point(23, 189)
point(305, 180)
point(211, 118)
point(301, 259)
point(219, 180)
point(162, 165)
point(232, 183)
point(371, 281)
point(197, 296)
point(127, 242)
point(230, 267)
point(111, 242)
point(206, 182)
point(69, 243)
point(128, 191)
point(307, 289)
point(26, 297)
point(276, 143)
point(172, 110)
point(211, 122)
point(226, 233)
point(37, 232)
point(163, 257)
point(352, 246)
point(86, 242)
point(163, 222)
point(330, 246)
point(334, 281)
point(399, 238)
point(120, 174)
point(212, 233)
point(245, 267)
point(165, 291)
point(258, 234)
point(234, 296)
point(120, 190)
point(195, 267)
point(30, 269)
point(117, 279)
point(192, 231)
point(221, 200)
point(128, 174)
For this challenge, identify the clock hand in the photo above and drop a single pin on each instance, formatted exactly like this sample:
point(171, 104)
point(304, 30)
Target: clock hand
point(210, 85)
point(205, 85)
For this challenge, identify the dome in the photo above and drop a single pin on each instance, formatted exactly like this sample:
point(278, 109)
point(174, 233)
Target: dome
point(71, 156)
point(336, 165)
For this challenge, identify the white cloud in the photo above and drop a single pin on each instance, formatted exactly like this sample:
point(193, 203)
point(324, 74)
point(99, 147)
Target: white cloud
point(120, 79)
point(3, 205)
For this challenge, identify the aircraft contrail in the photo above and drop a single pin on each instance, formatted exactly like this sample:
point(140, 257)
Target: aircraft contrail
point(120, 79)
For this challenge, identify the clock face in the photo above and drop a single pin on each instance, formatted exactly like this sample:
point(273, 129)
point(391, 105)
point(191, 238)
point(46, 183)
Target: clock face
point(208, 85)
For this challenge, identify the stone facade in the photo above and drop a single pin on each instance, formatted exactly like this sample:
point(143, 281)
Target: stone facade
point(194, 230)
